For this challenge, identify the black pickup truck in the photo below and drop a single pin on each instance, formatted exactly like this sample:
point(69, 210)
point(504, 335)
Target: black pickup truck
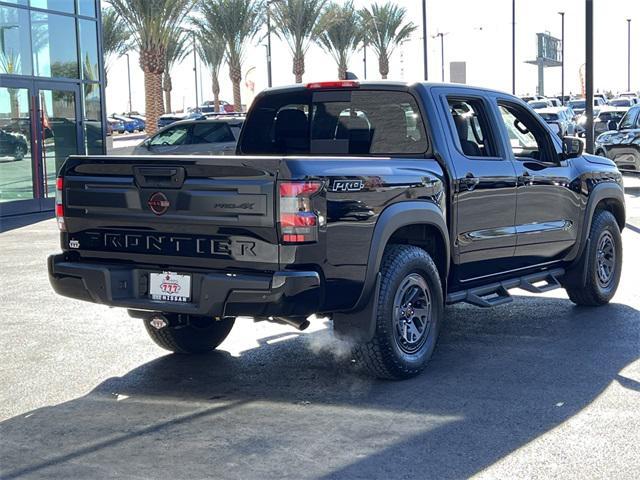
point(372, 203)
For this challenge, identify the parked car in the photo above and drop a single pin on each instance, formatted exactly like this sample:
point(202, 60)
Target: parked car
point(621, 143)
point(194, 137)
point(485, 199)
point(538, 104)
point(13, 145)
point(559, 120)
point(209, 107)
point(131, 125)
point(116, 125)
point(622, 102)
point(605, 115)
point(600, 99)
point(578, 106)
point(529, 98)
point(169, 118)
point(141, 119)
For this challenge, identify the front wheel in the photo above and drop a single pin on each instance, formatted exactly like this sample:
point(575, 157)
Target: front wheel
point(604, 262)
point(409, 314)
point(188, 333)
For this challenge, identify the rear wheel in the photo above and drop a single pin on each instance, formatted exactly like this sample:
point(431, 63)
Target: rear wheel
point(409, 314)
point(604, 262)
point(187, 333)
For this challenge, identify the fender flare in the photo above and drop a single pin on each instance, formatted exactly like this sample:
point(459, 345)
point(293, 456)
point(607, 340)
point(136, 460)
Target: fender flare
point(359, 323)
point(577, 272)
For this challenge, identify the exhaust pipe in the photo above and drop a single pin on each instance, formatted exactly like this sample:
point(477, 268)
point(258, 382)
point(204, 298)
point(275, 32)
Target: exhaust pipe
point(301, 323)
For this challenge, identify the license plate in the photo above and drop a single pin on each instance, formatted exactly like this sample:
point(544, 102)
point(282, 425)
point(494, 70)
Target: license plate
point(170, 287)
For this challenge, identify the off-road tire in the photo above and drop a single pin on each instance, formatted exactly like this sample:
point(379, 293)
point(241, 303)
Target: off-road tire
point(199, 335)
point(382, 356)
point(594, 293)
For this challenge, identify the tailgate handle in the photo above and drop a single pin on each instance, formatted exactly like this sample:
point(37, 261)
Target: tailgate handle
point(159, 177)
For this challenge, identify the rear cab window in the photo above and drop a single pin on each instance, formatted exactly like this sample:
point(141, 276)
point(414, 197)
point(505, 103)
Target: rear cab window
point(336, 122)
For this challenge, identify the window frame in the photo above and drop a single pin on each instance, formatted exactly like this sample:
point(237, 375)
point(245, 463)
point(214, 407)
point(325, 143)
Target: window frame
point(224, 124)
point(496, 151)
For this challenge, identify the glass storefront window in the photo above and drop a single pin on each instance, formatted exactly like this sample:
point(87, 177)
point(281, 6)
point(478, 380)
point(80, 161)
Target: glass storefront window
point(15, 54)
point(16, 181)
point(89, 50)
point(93, 120)
point(87, 8)
point(54, 45)
point(66, 6)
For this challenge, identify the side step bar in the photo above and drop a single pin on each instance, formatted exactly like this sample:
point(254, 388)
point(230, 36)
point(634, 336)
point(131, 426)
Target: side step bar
point(497, 293)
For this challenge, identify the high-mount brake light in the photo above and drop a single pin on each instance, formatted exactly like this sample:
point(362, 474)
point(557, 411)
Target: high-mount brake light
point(59, 206)
point(333, 84)
point(298, 220)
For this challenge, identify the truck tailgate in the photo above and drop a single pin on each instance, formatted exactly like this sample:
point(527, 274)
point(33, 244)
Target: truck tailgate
point(200, 212)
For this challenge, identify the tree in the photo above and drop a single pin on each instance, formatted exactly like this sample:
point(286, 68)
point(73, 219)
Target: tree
point(296, 21)
point(385, 29)
point(211, 51)
point(339, 32)
point(115, 37)
point(235, 22)
point(176, 52)
point(152, 22)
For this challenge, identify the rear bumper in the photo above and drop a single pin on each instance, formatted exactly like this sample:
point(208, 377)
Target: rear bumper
point(213, 293)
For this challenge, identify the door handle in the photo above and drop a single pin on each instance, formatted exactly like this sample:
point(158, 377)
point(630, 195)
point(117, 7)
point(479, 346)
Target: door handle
point(470, 181)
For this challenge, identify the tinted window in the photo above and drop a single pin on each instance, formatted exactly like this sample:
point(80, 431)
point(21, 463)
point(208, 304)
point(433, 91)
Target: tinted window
point(527, 137)
point(171, 136)
point(89, 50)
point(608, 116)
point(59, 5)
point(578, 104)
point(211, 132)
point(629, 119)
point(54, 45)
point(470, 120)
point(342, 122)
point(15, 50)
point(549, 117)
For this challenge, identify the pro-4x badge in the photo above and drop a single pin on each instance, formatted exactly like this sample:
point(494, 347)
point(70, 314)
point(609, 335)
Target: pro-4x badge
point(347, 185)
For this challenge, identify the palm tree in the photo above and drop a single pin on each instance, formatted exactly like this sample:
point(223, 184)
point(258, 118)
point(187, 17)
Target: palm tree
point(211, 51)
point(385, 29)
point(296, 21)
point(235, 22)
point(176, 52)
point(115, 37)
point(339, 32)
point(152, 23)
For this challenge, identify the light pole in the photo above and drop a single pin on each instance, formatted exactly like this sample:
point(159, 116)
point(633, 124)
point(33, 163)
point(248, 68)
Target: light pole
point(628, 54)
point(129, 81)
point(441, 35)
point(562, 53)
point(513, 47)
point(269, 77)
point(424, 36)
point(589, 73)
point(364, 59)
point(195, 68)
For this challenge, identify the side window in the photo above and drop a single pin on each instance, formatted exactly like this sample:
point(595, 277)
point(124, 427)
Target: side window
point(471, 122)
point(528, 139)
point(211, 132)
point(628, 121)
point(171, 136)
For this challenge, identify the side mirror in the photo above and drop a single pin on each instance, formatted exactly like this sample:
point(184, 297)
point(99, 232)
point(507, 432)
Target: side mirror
point(572, 147)
point(612, 125)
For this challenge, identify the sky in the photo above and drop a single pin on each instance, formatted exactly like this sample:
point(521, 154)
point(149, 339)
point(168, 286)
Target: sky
point(477, 32)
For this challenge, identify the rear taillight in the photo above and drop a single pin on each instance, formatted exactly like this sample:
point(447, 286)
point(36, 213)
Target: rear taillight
point(59, 207)
point(298, 221)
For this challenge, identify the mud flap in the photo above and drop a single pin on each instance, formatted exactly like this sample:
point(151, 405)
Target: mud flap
point(358, 326)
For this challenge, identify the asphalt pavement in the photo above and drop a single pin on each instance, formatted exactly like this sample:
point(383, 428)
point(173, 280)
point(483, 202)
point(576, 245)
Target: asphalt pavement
point(535, 389)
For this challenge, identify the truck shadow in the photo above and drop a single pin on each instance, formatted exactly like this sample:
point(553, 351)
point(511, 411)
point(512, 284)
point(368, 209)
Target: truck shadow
point(294, 408)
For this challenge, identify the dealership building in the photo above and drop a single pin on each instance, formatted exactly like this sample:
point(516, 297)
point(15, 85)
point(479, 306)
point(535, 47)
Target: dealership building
point(51, 96)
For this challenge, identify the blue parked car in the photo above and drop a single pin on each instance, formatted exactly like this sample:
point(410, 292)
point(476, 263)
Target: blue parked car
point(142, 121)
point(169, 118)
point(130, 125)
